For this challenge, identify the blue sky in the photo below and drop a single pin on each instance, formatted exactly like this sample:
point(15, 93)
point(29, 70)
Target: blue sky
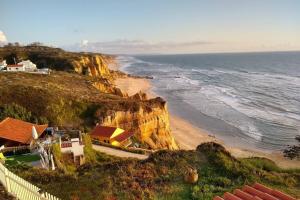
point(157, 26)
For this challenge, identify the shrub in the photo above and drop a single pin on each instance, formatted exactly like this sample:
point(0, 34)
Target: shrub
point(89, 152)
point(15, 111)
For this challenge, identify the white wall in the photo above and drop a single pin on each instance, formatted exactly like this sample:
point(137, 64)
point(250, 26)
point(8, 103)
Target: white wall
point(16, 69)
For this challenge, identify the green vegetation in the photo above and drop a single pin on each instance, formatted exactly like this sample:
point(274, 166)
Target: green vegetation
point(89, 152)
point(21, 159)
point(161, 176)
point(16, 111)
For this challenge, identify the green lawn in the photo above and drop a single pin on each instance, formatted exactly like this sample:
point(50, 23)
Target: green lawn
point(17, 159)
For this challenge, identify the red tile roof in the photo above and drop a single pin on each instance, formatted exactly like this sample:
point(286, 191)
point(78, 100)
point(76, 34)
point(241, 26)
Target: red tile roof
point(103, 131)
point(123, 136)
point(106, 131)
point(255, 192)
point(18, 130)
point(18, 65)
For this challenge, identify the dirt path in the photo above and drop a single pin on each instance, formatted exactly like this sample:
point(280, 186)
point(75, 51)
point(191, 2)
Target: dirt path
point(119, 153)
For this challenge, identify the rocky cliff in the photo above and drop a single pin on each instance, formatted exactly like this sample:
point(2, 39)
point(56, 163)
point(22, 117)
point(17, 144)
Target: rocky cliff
point(150, 125)
point(93, 65)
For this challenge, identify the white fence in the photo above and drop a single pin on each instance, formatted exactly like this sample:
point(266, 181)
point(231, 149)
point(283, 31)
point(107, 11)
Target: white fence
point(20, 188)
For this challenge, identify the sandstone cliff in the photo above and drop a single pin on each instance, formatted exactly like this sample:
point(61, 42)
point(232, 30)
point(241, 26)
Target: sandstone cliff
point(151, 126)
point(93, 65)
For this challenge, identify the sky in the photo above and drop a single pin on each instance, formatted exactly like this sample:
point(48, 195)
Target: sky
point(156, 26)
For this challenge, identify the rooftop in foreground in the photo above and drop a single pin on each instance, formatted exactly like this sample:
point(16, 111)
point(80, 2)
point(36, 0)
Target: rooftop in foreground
point(255, 192)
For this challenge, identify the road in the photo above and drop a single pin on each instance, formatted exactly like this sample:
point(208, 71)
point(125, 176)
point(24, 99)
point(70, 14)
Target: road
point(119, 153)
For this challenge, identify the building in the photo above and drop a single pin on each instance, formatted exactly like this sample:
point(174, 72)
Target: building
point(3, 65)
point(112, 135)
point(14, 132)
point(256, 191)
point(24, 66)
point(75, 147)
point(28, 65)
point(15, 68)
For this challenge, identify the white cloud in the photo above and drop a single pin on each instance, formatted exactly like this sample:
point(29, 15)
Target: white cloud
point(136, 46)
point(3, 38)
point(84, 42)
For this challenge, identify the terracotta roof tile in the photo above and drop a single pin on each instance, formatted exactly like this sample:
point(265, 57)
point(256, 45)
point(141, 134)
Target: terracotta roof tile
point(18, 65)
point(18, 130)
point(123, 136)
point(103, 131)
point(257, 191)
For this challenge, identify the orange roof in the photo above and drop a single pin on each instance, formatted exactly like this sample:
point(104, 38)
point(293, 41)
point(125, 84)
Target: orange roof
point(107, 131)
point(103, 131)
point(18, 130)
point(257, 191)
point(18, 65)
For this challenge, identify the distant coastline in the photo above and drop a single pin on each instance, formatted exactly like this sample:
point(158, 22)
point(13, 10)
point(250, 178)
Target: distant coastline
point(189, 136)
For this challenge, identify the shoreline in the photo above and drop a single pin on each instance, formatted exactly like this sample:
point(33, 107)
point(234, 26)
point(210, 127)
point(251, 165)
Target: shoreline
point(188, 136)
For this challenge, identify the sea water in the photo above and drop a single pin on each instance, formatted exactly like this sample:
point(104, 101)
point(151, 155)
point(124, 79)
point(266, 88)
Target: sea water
point(247, 99)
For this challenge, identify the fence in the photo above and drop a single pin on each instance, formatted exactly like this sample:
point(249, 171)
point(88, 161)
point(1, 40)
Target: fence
point(21, 189)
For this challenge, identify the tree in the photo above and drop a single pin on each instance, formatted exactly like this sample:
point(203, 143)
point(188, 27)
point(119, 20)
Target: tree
point(293, 151)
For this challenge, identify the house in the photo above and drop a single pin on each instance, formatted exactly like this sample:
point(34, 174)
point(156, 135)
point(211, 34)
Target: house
point(15, 68)
point(75, 147)
point(112, 135)
point(3, 65)
point(28, 65)
point(14, 132)
point(23, 66)
point(256, 191)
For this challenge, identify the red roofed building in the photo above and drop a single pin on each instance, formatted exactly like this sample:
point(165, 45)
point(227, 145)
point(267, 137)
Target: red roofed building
point(112, 135)
point(14, 132)
point(255, 192)
point(15, 68)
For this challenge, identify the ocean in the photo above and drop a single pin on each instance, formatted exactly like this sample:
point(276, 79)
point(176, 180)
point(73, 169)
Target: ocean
point(249, 100)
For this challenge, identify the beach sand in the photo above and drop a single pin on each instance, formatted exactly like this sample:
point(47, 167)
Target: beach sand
point(132, 85)
point(188, 136)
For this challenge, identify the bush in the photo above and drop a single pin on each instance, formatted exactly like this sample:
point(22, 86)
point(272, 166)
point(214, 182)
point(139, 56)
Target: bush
point(15, 111)
point(89, 152)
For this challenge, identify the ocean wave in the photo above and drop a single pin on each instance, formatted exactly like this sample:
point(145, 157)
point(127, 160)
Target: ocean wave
point(263, 102)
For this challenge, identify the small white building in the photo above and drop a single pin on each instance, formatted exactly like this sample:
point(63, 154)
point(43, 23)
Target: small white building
point(74, 146)
point(3, 65)
point(28, 65)
point(15, 68)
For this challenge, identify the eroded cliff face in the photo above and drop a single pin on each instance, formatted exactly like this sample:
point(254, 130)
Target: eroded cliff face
point(151, 126)
point(93, 65)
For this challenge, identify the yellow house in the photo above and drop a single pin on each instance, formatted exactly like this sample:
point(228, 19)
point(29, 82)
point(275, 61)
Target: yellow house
point(111, 135)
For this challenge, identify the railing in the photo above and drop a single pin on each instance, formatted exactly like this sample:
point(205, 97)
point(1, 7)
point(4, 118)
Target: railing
point(21, 189)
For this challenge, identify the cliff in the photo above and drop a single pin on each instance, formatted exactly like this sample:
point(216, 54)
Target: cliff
point(151, 126)
point(93, 64)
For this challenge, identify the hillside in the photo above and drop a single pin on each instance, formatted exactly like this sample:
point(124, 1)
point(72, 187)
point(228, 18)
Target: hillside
point(161, 176)
point(78, 101)
point(55, 58)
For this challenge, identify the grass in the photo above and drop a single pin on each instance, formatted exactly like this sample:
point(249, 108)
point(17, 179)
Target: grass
point(19, 159)
point(161, 176)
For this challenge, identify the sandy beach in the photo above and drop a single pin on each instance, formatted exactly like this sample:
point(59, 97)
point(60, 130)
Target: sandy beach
point(188, 136)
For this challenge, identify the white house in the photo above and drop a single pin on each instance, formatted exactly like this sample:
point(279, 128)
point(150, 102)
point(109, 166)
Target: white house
point(3, 65)
point(28, 65)
point(15, 68)
point(74, 146)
